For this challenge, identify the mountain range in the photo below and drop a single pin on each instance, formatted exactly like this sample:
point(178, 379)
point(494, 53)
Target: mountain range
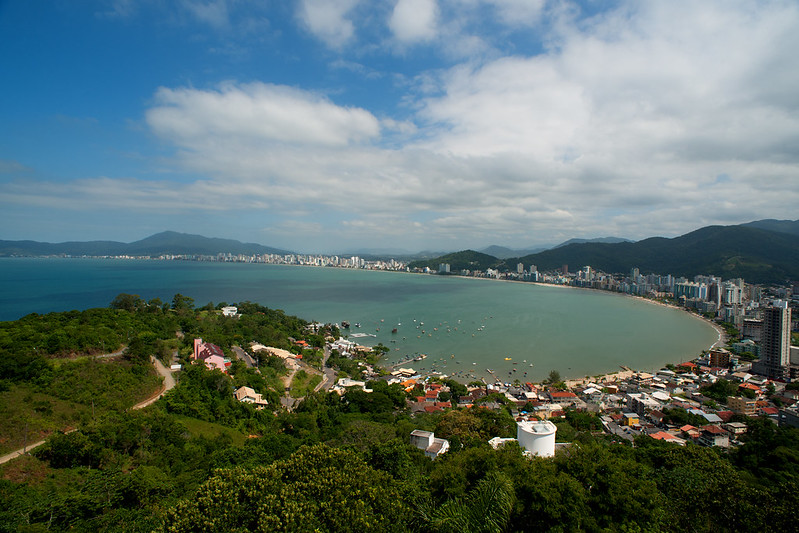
point(504, 253)
point(765, 251)
point(167, 242)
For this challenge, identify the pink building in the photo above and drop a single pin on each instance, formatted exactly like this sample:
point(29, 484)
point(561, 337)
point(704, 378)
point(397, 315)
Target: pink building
point(210, 354)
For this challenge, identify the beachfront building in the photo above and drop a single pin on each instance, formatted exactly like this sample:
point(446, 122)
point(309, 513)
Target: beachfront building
point(690, 290)
point(775, 342)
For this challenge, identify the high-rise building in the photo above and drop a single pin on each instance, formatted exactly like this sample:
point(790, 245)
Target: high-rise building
point(775, 340)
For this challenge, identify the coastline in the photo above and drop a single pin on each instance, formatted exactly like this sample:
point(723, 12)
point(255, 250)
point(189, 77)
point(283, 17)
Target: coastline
point(545, 357)
point(721, 339)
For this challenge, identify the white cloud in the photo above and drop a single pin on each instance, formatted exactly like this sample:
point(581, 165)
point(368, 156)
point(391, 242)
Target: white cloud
point(326, 19)
point(212, 12)
point(414, 21)
point(255, 115)
point(621, 126)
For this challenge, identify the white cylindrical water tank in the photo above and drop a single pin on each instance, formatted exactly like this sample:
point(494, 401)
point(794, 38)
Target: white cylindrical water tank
point(537, 437)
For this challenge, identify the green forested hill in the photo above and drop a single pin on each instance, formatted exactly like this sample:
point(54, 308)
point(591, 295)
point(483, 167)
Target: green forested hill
point(780, 226)
point(465, 260)
point(198, 460)
point(757, 255)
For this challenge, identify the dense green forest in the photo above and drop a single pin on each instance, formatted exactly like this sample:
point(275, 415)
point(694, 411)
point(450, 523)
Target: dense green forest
point(757, 255)
point(197, 460)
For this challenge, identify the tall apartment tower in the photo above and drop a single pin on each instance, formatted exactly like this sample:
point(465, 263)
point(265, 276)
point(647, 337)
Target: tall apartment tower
point(775, 340)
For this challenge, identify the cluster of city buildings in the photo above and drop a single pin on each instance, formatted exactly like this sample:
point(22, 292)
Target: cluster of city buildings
point(318, 260)
point(762, 315)
point(628, 404)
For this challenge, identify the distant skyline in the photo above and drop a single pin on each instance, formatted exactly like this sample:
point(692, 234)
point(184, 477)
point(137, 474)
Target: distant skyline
point(330, 125)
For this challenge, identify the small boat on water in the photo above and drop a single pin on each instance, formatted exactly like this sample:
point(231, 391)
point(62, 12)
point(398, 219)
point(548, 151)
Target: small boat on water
point(508, 359)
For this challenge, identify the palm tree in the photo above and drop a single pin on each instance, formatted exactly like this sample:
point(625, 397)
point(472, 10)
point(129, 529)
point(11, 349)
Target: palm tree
point(486, 508)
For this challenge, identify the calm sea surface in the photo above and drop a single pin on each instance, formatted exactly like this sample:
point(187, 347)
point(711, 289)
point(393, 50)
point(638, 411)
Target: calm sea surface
point(464, 325)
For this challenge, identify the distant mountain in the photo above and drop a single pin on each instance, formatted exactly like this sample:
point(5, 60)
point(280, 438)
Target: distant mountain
point(780, 226)
point(167, 242)
point(384, 254)
point(602, 240)
point(503, 253)
point(757, 255)
point(465, 260)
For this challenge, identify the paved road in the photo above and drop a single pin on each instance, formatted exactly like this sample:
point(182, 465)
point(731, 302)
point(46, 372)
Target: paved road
point(248, 359)
point(329, 378)
point(169, 383)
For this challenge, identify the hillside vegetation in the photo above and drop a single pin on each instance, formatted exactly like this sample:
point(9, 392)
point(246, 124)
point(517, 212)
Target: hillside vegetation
point(198, 460)
point(757, 255)
point(465, 260)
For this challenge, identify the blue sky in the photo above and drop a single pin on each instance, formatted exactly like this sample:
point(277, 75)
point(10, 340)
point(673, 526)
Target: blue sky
point(333, 125)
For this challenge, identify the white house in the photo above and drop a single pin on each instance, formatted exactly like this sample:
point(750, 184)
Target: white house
point(427, 442)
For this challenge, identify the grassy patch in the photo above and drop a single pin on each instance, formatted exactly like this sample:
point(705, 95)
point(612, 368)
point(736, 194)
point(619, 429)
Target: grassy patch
point(29, 413)
point(304, 383)
point(22, 407)
point(211, 430)
point(110, 384)
point(25, 469)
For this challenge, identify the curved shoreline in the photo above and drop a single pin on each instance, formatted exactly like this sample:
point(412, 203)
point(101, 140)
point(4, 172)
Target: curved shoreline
point(721, 338)
point(307, 308)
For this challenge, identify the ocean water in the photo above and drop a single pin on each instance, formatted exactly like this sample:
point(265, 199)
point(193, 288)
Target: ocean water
point(464, 326)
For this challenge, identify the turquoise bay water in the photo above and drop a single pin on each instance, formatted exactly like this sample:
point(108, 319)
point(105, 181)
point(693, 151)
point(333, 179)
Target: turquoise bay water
point(480, 322)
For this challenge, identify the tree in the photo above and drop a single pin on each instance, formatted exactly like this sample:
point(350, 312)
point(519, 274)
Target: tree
point(720, 390)
point(127, 302)
point(554, 377)
point(316, 489)
point(182, 303)
point(456, 389)
point(485, 508)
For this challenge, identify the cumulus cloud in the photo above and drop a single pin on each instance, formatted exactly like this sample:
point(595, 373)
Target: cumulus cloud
point(327, 20)
point(414, 20)
point(621, 125)
point(254, 115)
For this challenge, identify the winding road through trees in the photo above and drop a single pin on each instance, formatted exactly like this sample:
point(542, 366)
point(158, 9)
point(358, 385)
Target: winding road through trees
point(169, 383)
